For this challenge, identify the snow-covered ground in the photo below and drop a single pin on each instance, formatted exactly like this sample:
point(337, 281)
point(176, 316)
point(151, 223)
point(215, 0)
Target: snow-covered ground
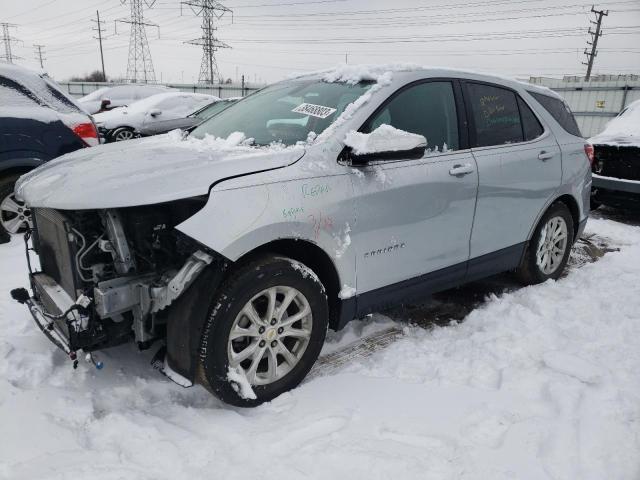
point(537, 383)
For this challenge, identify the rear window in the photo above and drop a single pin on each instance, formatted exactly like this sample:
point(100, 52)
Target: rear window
point(13, 94)
point(559, 110)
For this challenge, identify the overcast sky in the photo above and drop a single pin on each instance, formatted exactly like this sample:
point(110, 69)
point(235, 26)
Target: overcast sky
point(272, 38)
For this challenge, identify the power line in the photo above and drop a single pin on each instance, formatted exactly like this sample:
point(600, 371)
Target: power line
point(208, 10)
point(594, 40)
point(139, 64)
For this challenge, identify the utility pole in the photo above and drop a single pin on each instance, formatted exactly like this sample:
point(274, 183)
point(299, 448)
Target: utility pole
point(39, 54)
point(8, 56)
point(99, 29)
point(139, 64)
point(594, 40)
point(208, 10)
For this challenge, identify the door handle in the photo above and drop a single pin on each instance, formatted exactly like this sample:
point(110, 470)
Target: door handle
point(460, 170)
point(544, 156)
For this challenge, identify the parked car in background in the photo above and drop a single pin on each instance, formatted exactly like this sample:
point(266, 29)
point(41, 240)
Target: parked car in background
point(208, 111)
point(38, 122)
point(156, 114)
point(311, 202)
point(616, 169)
point(108, 98)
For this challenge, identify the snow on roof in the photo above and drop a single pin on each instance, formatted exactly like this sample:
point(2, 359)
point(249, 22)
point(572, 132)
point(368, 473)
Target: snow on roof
point(623, 129)
point(375, 72)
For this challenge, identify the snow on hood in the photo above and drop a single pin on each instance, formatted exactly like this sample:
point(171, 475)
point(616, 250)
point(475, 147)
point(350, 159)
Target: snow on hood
point(147, 171)
point(623, 130)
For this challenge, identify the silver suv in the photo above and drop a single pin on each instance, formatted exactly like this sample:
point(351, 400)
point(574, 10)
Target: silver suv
point(309, 203)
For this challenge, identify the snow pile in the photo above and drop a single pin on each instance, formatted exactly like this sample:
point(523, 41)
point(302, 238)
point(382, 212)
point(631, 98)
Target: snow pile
point(539, 383)
point(385, 138)
point(240, 383)
point(623, 129)
point(346, 292)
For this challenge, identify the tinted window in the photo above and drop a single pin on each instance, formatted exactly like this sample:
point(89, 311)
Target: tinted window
point(531, 127)
point(495, 114)
point(559, 110)
point(428, 109)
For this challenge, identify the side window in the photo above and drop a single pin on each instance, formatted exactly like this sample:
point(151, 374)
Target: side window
point(428, 109)
point(495, 114)
point(559, 111)
point(531, 127)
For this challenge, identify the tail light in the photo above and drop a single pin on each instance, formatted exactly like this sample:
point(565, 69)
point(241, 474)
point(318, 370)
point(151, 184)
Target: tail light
point(589, 152)
point(88, 133)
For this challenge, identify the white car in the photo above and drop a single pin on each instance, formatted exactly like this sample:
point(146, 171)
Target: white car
point(150, 116)
point(106, 98)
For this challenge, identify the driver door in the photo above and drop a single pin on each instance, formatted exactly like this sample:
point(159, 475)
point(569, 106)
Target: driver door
point(414, 216)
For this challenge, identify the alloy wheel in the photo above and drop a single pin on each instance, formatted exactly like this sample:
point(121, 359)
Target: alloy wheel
point(122, 135)
point(552, 245)
point(14, 216)
point(270, 334)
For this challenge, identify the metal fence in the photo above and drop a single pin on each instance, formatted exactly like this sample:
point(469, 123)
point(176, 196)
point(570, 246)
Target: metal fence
point(80, 89)
point(597, 101)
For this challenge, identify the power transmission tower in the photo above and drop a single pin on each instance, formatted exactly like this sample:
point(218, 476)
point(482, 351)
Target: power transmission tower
point(8, 56)
point(39, 54)
point(100, 30)
point(208, 10)
point(594, 40)
point(139, 65)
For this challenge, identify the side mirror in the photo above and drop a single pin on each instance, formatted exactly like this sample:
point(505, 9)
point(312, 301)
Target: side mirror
point(155, 112)
point(104, 104)
point(384, 143)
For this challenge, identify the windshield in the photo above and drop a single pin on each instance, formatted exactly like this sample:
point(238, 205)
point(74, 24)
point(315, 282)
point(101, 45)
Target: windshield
point(285, 112)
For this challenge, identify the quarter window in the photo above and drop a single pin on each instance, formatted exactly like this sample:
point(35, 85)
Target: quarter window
point(495, 114)
point(427, 109)
point(560, 111)
point(531, 127)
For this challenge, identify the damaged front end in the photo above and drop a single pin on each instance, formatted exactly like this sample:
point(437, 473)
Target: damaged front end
point(110, 276)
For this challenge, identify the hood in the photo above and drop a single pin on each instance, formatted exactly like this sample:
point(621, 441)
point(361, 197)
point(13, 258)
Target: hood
point(146, 171)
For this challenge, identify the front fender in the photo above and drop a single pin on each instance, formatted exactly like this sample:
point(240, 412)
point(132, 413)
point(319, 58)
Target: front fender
point(320, 210)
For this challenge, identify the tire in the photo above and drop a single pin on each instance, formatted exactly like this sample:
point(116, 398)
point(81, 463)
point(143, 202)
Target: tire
point(14, 217)
point(251, 285)
point(559, 222)
point(121, 134)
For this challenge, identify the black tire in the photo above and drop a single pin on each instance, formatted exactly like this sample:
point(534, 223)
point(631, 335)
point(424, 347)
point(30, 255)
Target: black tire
point(6, 189)
point(530, 272)
point(236, 291)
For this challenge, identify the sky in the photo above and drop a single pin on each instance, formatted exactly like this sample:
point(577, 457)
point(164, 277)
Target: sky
point(270, 39)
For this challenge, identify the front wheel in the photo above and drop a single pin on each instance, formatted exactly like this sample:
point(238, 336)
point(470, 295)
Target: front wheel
point(264, 332)
point(15, 218)
point(123, 133)
point(548, 251)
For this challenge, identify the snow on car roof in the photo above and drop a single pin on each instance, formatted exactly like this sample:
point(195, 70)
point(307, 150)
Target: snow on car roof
point(149, 102)
point(376, 72)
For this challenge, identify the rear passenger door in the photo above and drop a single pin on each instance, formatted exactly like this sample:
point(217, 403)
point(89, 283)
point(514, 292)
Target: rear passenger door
point(519, 169)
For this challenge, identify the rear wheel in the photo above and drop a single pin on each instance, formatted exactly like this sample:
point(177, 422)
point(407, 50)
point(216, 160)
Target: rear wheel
point(15, 218)
point(548, 251)
point(265, 330)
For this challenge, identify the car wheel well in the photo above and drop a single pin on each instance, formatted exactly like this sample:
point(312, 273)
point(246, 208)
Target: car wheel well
point(14, 171)
point(313, 257)
point(572, 205)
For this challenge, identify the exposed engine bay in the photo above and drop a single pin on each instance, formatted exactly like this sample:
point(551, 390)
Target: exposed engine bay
point(108, 276)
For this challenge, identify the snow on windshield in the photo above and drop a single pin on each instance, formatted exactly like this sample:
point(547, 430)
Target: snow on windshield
point(174, 104)
point(95, 95)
